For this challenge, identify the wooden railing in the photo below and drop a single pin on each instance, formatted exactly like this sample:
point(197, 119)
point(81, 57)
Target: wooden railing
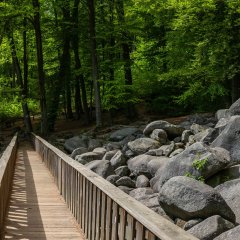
point(7, 163)
point(102, 210)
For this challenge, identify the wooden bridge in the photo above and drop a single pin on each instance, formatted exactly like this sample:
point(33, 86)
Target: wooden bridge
point(44, 194)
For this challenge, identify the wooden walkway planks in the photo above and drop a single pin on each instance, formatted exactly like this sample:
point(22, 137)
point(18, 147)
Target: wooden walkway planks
point(36, 209)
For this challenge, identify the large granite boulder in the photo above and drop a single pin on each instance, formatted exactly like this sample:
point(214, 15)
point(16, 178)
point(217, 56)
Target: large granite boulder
point(222, 113)
point(229, 139)
point(211, 227)
point(155, 164)
point(171, 129)
point(118, 160)
point(141, 164)
point(113, 179)
point(88, 157)
point(142, 145)
point(78, 151)
point(94, 143)
point(125, 181)
point(122, 133)
point(230, 191)
point(227, 174)
point(187, 198)
point(142, 181)
point(102, 167)
point(159, 135)
point(235, 108)
point(232, 234)
point(122, 171)
point(197, 161)
point(75, 142)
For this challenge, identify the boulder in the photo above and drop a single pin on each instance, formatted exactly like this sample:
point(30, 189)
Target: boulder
point(147, 197)
point(211, 227)
point(187, 198)
point(155, 164)
point(207, 136)
point(235, 108)
point(197, 161)
point(142, 181)
point(221, 124)
point(171, 129)
point(122, 133)
point(191, 223)
point(78, 151)
point(94, 143)
point(196, 128)
point(230, 191)
point(113, 146)
point(232, 234)
point(125, 181)
point(224, 175)
point(142, 145)
point(141, 193)
point(88, 157)
point(159, 135)
point(155, 152)
point(168, 149)
point(75, 142)
point(229, 139)
point(112, 179)
point(108, 155)
point(125, 189)
point(176, 152)
point(118, 160)
point(129, 154)
point(139, 164)
point(100, 150)
point(185, 135)
point(102, 167)
point(222, 113)
point(122, 171)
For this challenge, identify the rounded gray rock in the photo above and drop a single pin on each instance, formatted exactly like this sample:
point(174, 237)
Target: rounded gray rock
point(187, 198)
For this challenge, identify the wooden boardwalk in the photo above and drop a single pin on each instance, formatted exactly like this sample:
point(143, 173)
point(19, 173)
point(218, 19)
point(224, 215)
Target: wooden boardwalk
point(36, 209)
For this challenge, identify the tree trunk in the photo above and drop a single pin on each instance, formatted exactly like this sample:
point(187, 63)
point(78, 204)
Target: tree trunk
point(77, 98)
point(125, 43)
point(94, 63)
point(236, 88)
point(17, 68)
point(69, 100)
point(79, 77)
point(64, 72)
point(40, 62)
point(125, 38)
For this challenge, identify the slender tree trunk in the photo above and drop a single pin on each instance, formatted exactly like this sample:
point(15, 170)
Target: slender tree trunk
point(40, 62)
point(77, 98)
point(94, 63)
point(125, 38)
point(16, 64)
point(236, 88)
point(63, 78)
point(79, 77)
point(25, 59)
point(69, 100)
point(125, 45)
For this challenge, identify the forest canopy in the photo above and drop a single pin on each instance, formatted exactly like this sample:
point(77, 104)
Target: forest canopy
point(85, 57)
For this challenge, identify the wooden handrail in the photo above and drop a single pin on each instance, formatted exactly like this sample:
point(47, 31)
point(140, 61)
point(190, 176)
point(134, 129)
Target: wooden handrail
point(102, 210)
point(7, 163)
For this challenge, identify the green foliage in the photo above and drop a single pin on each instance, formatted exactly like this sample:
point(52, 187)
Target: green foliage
point(198, 164)
point(117, 95)
point(10, 109)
